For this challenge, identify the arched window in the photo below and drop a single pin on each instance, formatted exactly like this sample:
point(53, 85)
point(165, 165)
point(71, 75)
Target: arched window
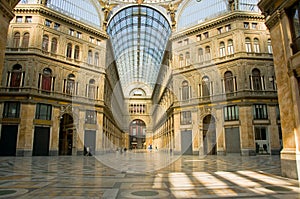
point(256, 45)
point(96, 61)
point(70, 84)
point(200, 55)
point(187, 59)
point(270, 49)
point(256, 80)
point(207, 53)
point(25, 40)
point(90, 57)
point(16, 76)
point(229, 85)
point(76, 52)
point(185, 90)
point(16, 41)
point(248, 45)
point(53, 45)
point(45, 43)
point(181, 60)
point(46, 79)
point(205, 86)
point(69, 50)
point(91, 89)
point(222, 49)
point(230, 48)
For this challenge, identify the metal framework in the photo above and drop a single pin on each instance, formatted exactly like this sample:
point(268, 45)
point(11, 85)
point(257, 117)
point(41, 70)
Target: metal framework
point(139, 35)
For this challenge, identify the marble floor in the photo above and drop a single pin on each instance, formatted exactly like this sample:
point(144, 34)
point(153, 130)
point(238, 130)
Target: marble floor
point(144, 175)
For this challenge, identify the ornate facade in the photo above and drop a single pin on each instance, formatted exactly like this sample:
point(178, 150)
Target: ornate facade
point(66, 85)
point(283, 23)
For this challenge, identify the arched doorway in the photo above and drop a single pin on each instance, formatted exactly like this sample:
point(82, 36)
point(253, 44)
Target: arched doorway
point(209, 135)
point(66, 135)
point(137, 134)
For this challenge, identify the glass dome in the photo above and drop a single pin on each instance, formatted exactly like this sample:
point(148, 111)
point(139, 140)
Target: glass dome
point(139, 35)
point(81, 10)
point(193, 12)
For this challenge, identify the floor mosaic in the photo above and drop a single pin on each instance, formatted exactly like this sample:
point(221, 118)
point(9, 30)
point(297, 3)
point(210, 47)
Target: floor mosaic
point(144, 175)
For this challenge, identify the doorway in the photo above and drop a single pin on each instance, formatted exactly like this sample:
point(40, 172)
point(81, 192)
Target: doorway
point(41, 141)
point(66, 135)
point(137, 134)
point(209, 135)
point(8, 140)
point(186, 142)
point(232, 140)
point(89, 142)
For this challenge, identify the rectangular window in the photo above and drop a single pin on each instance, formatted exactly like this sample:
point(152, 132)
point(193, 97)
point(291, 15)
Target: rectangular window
point(228, 27)
point(294, 19)
point(98, 42)
point(43, 111)
point(246, 25)
point(90, 117)
point(260, 112)
point(220, 30)
point(206, 35)
point(231, 113)
point(198, 37)
point(186, 41)
point(186, 117)
point(71, 32)
point(11, 110)
point(48, 23)
point(260, 133)
point(19, 19)
point(254, 25)
point(79, 35)
point(28, 19)
point(92, 39)
point(56, 26)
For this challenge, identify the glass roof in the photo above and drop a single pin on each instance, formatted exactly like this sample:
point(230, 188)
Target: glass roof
point(139, 35)
point(194, 12)
point(82, 10)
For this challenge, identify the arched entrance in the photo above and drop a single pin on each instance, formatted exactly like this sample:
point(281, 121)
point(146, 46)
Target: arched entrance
point(137, 134)
point(66, 135)
point(209, 135)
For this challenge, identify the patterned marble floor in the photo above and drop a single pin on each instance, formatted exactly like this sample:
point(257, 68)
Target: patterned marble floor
point(144, 175)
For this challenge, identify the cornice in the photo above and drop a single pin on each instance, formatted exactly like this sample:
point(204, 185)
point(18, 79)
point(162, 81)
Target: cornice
point(215, 22)
point(274, 19)
point(8, 11)
point(54, 14)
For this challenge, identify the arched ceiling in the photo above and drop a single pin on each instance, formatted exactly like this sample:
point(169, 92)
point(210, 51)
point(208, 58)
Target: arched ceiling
point(139, 35)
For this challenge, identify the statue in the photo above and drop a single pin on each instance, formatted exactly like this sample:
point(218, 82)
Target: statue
point(106, 8)
point(172, 8)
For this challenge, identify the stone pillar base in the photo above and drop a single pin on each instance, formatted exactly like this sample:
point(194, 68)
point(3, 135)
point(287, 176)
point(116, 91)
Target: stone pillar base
point(24, 152)
point(289, 163)
point(248, 152)
point(221, 153)
point(53, 153)
point(275, 151)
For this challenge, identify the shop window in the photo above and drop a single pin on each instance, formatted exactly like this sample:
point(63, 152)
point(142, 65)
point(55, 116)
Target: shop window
point(11, 110)
point(231, 113)
point(185, 117)
point(260, 112)
point(90, 117)
point(43, 111)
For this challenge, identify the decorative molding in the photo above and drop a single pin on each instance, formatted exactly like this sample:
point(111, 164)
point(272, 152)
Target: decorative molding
point(215, 22)
point(55, 14)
